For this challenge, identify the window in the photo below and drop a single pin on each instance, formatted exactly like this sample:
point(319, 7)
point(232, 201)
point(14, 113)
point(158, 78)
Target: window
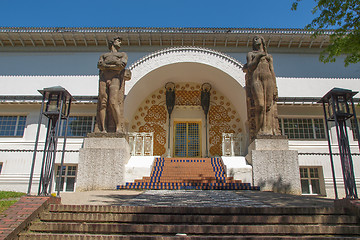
point(1, 164)
point(12, 126)
point(319, 128)
point(303, 128)
point(353, 127)
point(78, 126)
point(310, 180)
point(68, 178)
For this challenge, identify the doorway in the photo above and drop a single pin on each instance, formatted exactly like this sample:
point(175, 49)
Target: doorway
point(187, 139)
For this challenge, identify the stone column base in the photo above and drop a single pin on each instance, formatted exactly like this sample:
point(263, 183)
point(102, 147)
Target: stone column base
point(102, 163)
point(275, 167)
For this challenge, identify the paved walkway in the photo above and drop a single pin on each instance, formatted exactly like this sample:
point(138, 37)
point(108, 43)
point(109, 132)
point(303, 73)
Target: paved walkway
point(193, 198)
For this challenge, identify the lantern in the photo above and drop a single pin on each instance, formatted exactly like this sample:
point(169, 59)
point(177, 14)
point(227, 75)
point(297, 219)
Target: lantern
point(55, 106)
point(340, 107)
point(57, 102)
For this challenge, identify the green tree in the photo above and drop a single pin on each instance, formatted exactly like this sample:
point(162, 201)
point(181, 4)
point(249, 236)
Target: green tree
point(344, 17)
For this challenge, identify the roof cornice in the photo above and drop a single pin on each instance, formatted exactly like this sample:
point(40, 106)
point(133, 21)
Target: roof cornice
point(157, 30)
point(168, 37)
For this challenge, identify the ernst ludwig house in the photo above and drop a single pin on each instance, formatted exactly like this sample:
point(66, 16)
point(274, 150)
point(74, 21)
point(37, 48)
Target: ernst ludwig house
point(35, 58)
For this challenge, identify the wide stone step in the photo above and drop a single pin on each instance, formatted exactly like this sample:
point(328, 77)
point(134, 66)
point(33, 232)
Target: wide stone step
point(198, 223)
point(197, 210)
point(172, 229)
point(197, 219)
point(44, 236)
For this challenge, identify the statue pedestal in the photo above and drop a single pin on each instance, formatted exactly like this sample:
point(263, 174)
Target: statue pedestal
point(102, 163)
point(275, 167)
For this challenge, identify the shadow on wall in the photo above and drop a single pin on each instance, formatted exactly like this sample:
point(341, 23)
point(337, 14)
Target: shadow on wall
point(277, 186)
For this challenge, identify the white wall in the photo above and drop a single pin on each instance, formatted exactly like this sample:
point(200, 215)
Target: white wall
point(16, 165)
point(323, 161)
point(315, 153)
point(54, 62)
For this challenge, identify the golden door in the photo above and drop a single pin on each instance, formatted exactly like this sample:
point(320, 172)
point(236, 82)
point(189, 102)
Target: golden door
point(187, 139)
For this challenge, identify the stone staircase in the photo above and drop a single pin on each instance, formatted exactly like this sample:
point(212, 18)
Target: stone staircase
point(188, 173)
point(166, 223)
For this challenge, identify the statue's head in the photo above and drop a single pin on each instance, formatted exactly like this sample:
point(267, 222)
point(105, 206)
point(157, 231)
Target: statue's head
point(257, 42)
point(127, 74)
point(114, 41)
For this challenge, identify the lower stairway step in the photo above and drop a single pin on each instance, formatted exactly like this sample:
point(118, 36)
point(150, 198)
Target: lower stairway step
point(193, 229)
point(178, 236)
point(90, 222)
point(199, 218)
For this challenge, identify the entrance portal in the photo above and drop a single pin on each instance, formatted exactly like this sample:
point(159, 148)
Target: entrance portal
point(187, 139)
point(152, 117)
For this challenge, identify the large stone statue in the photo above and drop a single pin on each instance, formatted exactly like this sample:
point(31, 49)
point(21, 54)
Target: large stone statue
point(107, 143)
point(112, 77)
point(274, 167)
point(261, 86)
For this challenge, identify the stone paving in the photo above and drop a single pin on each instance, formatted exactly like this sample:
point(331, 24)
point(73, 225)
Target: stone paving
point(194, 198)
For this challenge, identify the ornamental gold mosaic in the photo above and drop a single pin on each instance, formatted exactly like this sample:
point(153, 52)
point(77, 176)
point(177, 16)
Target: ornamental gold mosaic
point(152, 116)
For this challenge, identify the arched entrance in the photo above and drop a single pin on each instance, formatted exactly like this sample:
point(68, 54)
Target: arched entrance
point(188, 68)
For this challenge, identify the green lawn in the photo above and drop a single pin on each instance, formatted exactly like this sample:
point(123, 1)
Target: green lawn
point(8, 198)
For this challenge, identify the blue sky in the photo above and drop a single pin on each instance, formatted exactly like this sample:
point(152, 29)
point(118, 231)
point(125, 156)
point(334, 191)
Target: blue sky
point(155, 13)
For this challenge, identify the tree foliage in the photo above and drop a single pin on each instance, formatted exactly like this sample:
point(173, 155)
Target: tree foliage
point(344, 17)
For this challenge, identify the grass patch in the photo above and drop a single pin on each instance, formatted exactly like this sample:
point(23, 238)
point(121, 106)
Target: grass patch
point(6, 194)
point(6, 204)
point(8, 198)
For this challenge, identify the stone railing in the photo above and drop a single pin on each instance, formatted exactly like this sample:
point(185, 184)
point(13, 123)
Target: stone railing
point(233, 145)
point(141, 143)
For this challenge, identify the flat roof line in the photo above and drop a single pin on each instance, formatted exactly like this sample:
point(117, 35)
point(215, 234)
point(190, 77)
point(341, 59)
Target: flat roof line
point(159, 30)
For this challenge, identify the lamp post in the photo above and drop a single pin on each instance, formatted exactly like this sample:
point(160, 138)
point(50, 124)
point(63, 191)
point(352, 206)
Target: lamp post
point(170, 103)
point(205, 104)
point(55, 106)
point(340, 107)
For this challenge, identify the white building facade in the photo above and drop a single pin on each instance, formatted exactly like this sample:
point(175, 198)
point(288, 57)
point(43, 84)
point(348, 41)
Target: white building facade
point(33, 59)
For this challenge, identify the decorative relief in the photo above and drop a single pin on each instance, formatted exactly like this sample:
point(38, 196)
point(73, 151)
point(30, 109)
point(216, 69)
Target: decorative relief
point(152, 116)
point(222, 119)
point(218, 114)
point(187, 98)
point(215, 139)
point(159, 137)
point(141, 143)
point(156, 114)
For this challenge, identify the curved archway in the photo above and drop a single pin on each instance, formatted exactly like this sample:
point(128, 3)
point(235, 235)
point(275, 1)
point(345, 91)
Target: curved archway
point(169, 56)
point(186, 64)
